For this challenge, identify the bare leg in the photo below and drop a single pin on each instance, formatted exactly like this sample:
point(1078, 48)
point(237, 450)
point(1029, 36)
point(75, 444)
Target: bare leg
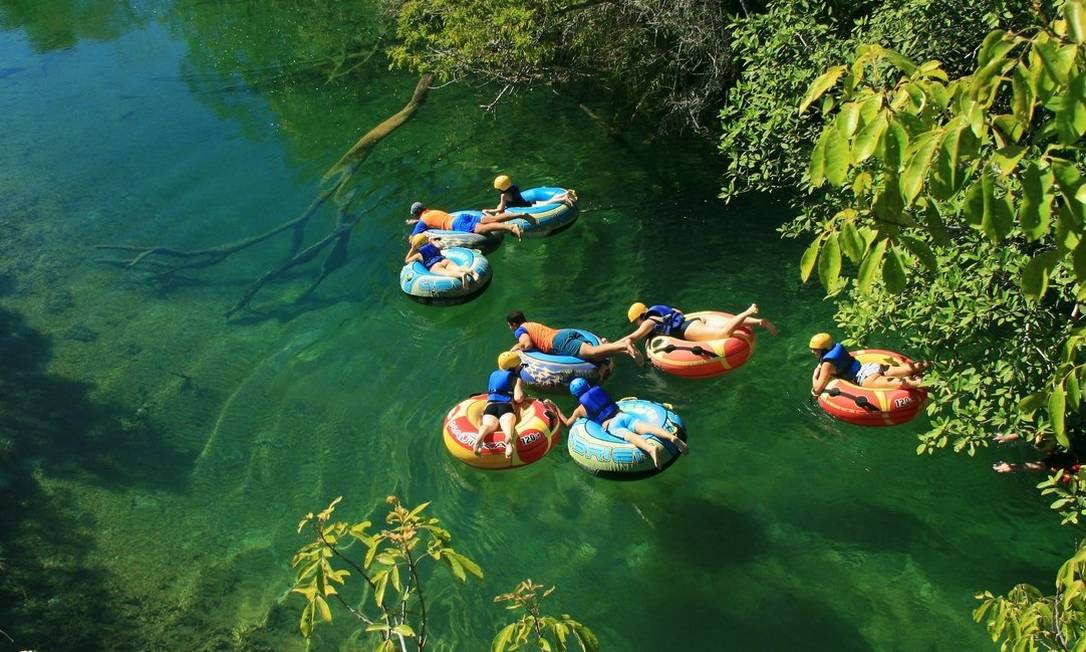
point(452, 270)
point(495, 217)
point(608, 349)
point(642, 428)
point(508, 422)
point(482, 228)
point(906, 370)
point(651, 450)
point(490, 424)
point(700, 331)
point(879, 381)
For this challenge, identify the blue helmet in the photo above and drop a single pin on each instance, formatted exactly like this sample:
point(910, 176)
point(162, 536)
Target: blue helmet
point(578, 386)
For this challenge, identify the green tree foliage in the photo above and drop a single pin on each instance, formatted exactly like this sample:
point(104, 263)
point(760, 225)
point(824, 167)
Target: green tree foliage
point(392, 560)
point(1026, 619)
point(668, 59)
point(781, 50)
point(392, 608)
point(536, 631)
point(961, 212)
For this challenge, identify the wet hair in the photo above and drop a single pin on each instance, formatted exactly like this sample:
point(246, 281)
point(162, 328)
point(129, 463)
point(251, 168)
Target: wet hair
point(516, 318)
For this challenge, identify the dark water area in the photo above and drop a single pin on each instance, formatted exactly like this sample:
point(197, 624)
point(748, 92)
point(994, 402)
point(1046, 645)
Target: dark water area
point(155, 457)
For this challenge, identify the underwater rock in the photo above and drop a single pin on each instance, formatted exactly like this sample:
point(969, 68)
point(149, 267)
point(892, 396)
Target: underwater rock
point(80, 333)
point(58, 302)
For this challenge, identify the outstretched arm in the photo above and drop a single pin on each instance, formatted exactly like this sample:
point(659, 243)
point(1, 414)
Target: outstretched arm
point(641, 332)
point(576, 414)
point(524, 343)
point(821, 378)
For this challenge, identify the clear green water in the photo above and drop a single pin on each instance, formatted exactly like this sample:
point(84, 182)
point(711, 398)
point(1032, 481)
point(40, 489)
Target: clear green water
point(156, 457)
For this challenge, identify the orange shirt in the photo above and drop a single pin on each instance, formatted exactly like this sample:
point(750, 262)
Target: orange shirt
point(436, 219)
point(542, 337)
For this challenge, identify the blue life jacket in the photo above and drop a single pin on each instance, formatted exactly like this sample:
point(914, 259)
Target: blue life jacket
point(672, 320)
point(431, 255)
point(598, 405)
point(500, 387)
point(846, 365)
point(514, 199)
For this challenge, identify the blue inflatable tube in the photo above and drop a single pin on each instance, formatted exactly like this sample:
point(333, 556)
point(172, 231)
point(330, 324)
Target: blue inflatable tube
point(469, 240)
point(424, 286)
point(608, 456)
point(545, 218)
point(553, 373)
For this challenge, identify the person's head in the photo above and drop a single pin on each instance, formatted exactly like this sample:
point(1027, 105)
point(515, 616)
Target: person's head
point(508, 360)
point(515, 319)
point(502, 182)
point(579, 386)
point(636, 312)
point(419, 239)
point(820, 343)
point(416, 209)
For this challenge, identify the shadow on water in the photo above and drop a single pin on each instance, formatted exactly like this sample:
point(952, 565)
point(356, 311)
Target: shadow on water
point(61, 24)
point(49, 590)
point(721, 530)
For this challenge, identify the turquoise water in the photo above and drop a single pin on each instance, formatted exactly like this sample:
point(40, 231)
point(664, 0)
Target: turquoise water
point(156, 456)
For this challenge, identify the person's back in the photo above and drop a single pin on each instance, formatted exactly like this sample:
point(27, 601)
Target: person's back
point(542, 336)
point(513, 198)
point(670, 319)
point(431, 255)
point(598, 405)
point(500, 386)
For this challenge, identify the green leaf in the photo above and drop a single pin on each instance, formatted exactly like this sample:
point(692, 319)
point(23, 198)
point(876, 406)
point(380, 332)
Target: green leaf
point(867, 140)
point(837, 157)
point(848, 119)
point(807, 262)
point(322, 608)
point(934, 223)
point(829, 263)
point(1030, 404)
point(1057, 60)
point(997, 216)
point(1057, 403)
point(1069, 181)
point(1035, 210)
point(455, 565)
point(503, 638)
point(306, 624)
point(995, 45)
point(852, 243)
point(816, 170)
point(380, 584)
point(1006, 158)
point(916, 169)
point(894, 273)
point(921, 250)
point(588, 640)
point(469, 565)
point(895, 140)
point(947, 179)
point(1023, 96)
point(1035, 274)
point(1075, 16)
point(900, 61)
point(1074, 394)
point(871, 265)
point(870, 108)
point(820, 85)
point(403, 629)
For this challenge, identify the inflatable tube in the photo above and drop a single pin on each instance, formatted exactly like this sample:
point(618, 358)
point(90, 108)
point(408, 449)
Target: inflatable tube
point(484, 243)
point(604, 455)
point(544, 219)
point(538, 431)
point(552, 373)
point(872, 407)
point(424, 286)
point(702, 359)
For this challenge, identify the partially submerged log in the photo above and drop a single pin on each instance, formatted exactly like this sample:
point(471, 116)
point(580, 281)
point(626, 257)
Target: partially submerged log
point(163, 262)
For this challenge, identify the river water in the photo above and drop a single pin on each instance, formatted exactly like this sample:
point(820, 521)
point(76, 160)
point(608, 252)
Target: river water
point(157, 456)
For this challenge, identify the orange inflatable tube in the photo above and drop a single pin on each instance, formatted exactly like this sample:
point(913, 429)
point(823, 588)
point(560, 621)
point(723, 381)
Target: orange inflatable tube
point(702, 359)
point(538, 431)
point(864, 406)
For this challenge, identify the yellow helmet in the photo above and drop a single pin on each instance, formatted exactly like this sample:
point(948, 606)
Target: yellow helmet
point(508, 360)
point(502, 182)
point(635, 311)
point(419, 239)
point(821, 341)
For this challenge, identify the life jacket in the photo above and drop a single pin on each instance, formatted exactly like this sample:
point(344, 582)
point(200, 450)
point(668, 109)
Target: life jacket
point(671, 320)
point(500, 387)
point(847, 366)
point(430, 255)
point(513, 198)
point(598, 405)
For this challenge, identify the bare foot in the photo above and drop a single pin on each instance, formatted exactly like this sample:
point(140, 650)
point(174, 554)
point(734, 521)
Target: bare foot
point(519, 232)
point(632, 351)
point(1005, 437)
point(509, 449)
point(769, 326)
point(1003, 467)
point(680, 444)
point(655, 456)
point(477, 449)
point(921, 366)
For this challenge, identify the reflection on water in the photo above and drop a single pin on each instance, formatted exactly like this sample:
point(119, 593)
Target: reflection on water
point(154, 457)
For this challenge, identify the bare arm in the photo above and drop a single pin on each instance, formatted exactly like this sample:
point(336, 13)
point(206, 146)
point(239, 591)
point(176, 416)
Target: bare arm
point(518, 391)
point(412, 254)
point(642, 331)
point(822, 377)
point(524, 343)
point(576, 414)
